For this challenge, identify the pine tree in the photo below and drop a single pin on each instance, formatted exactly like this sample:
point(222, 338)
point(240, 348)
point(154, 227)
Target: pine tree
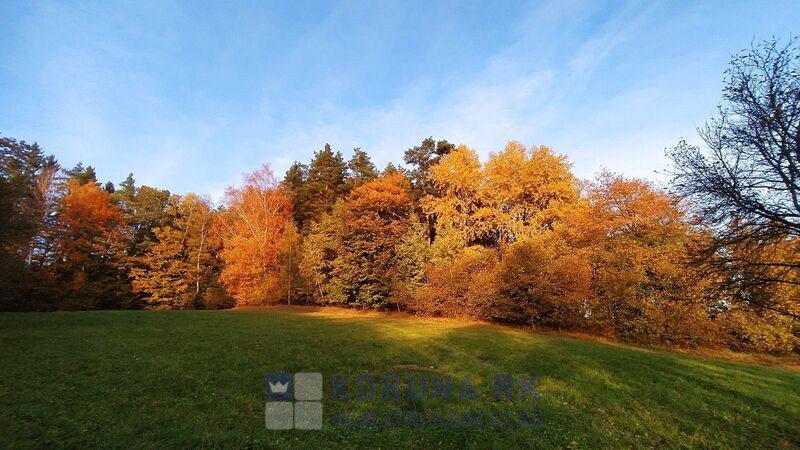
point(27, 195)
point(422, 158)
point(295, 179)
point(127, 189)
point(81, 174)
point(325, 182)
point(360, 168)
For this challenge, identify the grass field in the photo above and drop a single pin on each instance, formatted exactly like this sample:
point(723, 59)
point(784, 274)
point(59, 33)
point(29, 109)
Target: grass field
point(195, 379)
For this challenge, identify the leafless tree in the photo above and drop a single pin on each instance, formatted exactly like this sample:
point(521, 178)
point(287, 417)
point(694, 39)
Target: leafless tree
point(745, 182)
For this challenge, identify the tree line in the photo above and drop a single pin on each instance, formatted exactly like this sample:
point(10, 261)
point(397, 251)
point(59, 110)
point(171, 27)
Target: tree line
point(516, 238)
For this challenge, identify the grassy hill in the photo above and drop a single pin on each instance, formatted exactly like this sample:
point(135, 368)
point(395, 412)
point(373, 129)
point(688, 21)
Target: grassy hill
point(195, 379)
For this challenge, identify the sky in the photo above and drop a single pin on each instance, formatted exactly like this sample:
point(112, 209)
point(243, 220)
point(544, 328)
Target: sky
point(190, 95)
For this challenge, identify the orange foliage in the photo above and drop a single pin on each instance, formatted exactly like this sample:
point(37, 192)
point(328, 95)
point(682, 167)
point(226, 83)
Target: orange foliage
point(91, 224)
point(639, 245)
point(90, 243)
point(527, 190)
point(258, 213)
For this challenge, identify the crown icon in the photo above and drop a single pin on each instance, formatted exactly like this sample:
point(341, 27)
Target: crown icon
point(278, 387)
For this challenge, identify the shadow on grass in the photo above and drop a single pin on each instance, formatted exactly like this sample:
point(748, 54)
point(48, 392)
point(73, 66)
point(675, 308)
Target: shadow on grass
point(195, 378)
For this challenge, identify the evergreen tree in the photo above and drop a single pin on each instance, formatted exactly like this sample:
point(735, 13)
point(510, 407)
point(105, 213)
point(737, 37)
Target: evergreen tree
point(81, 174)
point(326, 182)
point(127, 189)
point(26, 199)
point(149, 211)
point(360, 168)
point(391, 169)
point(295, 179)
point(422, 157)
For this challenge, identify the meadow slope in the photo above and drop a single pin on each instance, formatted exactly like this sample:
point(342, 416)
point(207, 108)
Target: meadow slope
point(146, 379)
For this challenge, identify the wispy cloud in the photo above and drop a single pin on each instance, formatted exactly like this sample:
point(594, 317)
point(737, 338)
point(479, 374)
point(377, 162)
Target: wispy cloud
point(190, 99)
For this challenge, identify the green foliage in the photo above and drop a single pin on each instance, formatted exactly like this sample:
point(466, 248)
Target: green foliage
point(147, 211)
point(215, 297)
point(295, 180)
point(422, 158)
point(324, 183)
point(320, 251)
point(175, 270)
point(354, 250)
point(81, 174)
point(412, 255)
point(127, 189)
point(392, 169)
point(27, 190)
point(360, 169)
point(293, 285)
point(316, 187)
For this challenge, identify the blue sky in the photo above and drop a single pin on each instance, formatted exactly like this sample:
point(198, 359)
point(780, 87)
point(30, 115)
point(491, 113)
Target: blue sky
point(189, 95)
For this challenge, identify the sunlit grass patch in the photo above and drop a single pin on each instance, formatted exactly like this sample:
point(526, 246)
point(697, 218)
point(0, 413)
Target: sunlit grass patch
point(195, 378)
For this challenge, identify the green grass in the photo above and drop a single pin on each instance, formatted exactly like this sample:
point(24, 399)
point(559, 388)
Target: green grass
point(195, 379)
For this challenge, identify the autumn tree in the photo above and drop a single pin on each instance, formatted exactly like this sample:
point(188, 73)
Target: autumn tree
point(464, 285)
point(353, 251)
point(639, 246)
point(460, 202)
point(518, 192)
point(541, 281)
point(255, 224)
point(90, 245)
point(527, 190)
point(175, 271)
point(513, 200)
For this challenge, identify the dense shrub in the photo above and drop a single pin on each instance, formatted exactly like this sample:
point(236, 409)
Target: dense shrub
point(543, 283)
point(463, 287)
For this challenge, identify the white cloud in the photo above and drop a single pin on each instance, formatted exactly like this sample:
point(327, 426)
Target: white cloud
point(513, 97)
point(540, 89)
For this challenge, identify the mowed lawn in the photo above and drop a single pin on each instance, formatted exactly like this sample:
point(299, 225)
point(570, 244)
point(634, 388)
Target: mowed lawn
point(139, 379)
